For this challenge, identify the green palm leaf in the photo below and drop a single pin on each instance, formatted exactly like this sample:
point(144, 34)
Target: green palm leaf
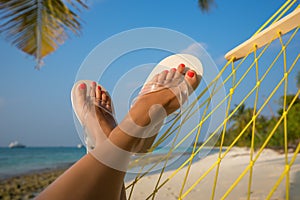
point(205, 5)
point(37, 27)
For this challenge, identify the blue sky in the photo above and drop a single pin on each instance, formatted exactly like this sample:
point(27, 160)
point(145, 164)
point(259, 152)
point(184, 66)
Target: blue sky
point(35, 106)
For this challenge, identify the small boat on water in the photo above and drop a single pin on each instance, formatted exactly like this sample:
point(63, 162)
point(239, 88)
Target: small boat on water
point(79, 146)
point(16, 144)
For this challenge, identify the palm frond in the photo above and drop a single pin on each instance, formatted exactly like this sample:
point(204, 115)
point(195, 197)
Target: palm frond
point(37, 27)
point(205, 5)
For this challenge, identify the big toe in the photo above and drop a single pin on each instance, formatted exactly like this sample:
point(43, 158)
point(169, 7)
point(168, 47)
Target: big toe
point(192, 79)
point(80, 94)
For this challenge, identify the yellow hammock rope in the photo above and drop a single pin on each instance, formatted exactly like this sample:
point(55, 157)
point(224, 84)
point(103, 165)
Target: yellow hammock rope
point(257, 54)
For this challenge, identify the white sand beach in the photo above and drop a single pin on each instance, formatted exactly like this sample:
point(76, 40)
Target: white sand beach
point(266, 172)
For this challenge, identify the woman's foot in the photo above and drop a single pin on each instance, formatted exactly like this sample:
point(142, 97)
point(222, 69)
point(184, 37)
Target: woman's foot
point(160, 97)
point(137, 131)
point(100, 114)
point(170, 96)
point(94, 110)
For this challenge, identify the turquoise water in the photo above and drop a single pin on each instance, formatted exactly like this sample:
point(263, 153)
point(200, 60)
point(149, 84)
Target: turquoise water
point(23, 160)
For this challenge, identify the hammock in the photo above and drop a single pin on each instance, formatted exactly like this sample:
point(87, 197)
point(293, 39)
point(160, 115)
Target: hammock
point(245, 73)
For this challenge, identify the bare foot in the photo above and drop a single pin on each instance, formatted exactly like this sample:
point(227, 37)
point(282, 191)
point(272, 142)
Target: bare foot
point(168, 97)
point(148, 112)
point(94, 111)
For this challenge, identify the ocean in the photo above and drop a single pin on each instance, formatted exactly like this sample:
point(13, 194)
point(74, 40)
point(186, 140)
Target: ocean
point(20, 161)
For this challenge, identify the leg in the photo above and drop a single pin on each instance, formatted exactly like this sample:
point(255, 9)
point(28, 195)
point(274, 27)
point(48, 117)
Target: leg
point(91, 179)
point(81, 181)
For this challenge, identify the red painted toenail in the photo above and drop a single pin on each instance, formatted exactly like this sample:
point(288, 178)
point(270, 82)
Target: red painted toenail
point(173, 69)
point(182, 65)
point(191, 74)
point(102, 92)
point(82, 86)
point(166, 71)
point(99, 88)
point(93, 83)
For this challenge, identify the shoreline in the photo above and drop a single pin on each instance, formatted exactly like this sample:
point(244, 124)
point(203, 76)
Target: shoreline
point(59, 167)
point(28, 185)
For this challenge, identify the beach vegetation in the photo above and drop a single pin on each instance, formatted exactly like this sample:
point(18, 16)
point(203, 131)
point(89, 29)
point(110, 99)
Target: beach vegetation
point(241, 125)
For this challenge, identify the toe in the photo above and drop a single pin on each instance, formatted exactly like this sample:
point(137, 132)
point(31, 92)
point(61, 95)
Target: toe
point(93, 89)
point(181, 68)
point(191, 78)
point(171, 74)
point(81, 93)
point(179, 71)
point(155, 78)
point(108, 103)
point(103, 98)
point(162, 76)
point(108, 106)
point(81, 89)
point(98, 93)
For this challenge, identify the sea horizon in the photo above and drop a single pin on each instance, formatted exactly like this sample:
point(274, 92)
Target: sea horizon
point(21, 161)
